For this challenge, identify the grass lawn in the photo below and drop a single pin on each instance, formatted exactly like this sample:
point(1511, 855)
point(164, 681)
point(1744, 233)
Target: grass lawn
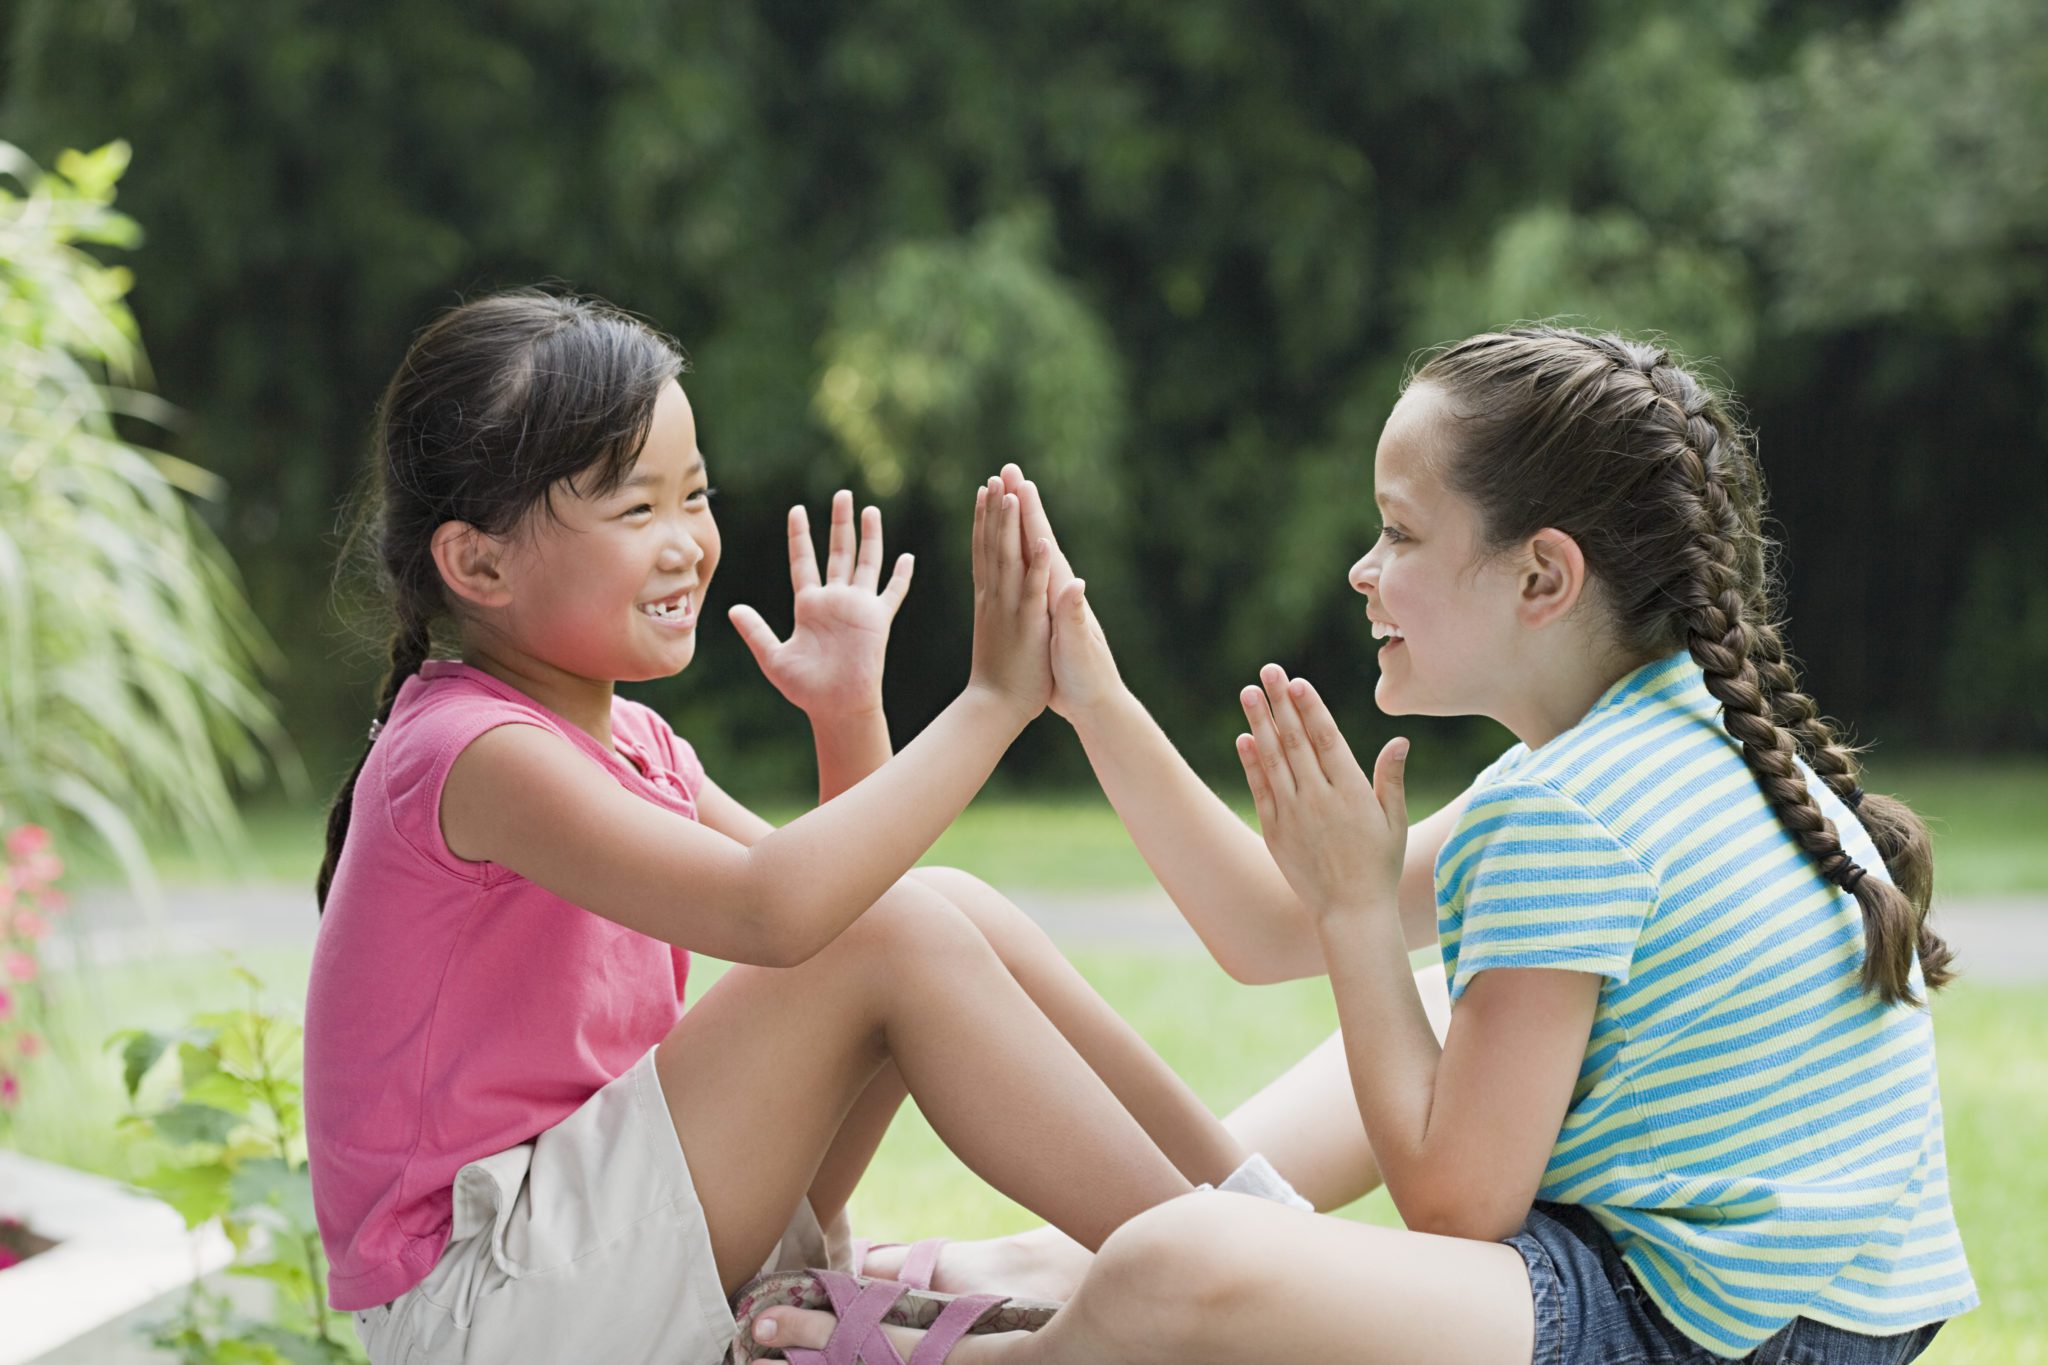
point(1985, 816)
point(1227, 1040)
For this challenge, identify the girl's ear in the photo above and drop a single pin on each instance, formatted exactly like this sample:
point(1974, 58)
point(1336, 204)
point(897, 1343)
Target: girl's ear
point(1552, 577)
point(471, 564)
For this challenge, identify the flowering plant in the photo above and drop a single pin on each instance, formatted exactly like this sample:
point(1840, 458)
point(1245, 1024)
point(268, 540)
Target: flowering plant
point(29, 897)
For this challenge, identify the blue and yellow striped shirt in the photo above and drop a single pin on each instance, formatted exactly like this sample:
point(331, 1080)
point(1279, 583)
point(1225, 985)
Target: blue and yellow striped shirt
point(1762, 1140)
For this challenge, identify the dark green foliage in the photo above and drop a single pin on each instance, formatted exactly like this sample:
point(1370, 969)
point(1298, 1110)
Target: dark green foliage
point(1174, 257)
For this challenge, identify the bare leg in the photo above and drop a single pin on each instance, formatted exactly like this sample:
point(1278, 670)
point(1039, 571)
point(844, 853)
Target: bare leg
point(762, 1076)
point(1225, 1278)
point(1175, 1118)
point(1307, 1123)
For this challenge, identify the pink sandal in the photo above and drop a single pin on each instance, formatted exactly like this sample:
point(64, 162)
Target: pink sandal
point(918, 1267)
point(863, 1305)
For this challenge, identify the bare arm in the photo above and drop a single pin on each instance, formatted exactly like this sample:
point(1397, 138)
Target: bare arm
point(775, 902)
point(1217, 870)
point(1463, 1130)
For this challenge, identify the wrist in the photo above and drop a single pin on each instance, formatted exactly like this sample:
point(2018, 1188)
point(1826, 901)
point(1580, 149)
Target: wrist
point(1117, 707)
point(824, 717)
point(1007, 708)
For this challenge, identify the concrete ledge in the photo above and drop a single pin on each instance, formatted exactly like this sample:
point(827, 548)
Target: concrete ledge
point(116, 1249)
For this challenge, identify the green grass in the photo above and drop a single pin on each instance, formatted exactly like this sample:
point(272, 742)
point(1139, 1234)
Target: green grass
point(1985, 815)
point(1227, 1040)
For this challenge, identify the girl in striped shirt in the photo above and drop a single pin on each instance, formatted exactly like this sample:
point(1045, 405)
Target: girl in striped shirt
point(1686, 1106)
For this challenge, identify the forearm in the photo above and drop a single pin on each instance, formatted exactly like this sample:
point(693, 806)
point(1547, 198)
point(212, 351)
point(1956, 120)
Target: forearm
point(850, 747)
point(1392, 1053)
point(1216, 869)
point(816, 874)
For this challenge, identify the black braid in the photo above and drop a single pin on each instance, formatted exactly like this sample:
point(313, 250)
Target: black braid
point(410, 645)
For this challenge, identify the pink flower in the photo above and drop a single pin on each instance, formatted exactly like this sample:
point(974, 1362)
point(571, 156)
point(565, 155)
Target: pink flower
point(26, 841)
point(6, 1004)
point(53, 901)
point(29, 1044)
point(10, 1089)
point(29, 925)
point(20, 966)
point(38, 869)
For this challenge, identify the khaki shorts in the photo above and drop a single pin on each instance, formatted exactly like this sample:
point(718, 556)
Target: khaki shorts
point(587, 1243)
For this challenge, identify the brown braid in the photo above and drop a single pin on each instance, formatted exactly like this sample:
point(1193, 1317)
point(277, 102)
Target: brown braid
point(1608, 440)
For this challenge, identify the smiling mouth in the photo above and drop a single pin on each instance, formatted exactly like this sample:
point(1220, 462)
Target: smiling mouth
point(675, 611)
point(1382, 631)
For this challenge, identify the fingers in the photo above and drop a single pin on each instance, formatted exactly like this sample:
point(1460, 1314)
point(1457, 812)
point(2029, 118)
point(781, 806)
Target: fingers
point(1266, 736)
point(983, 557)
point(1294, 742)
point(1390, 782)
point(899, 584)
point(1255, 778)
point(1036, 524)
point(1010, 530)
point(1039, 571)
point(867, 563)
point(1323, 735)
point(839, 547)
point(803, 556)
point(760, 640)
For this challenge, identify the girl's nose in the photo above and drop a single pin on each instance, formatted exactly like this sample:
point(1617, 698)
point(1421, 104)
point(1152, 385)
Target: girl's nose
point(1365, 575)
point(680, 553)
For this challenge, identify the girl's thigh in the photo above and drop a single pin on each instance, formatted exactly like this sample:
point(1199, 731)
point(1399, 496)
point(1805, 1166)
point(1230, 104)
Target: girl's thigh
point(1227, 1278)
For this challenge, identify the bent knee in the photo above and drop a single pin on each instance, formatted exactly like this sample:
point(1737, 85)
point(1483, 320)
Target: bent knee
point(1180, 1256)
point(1011, 930)
point(912, 920)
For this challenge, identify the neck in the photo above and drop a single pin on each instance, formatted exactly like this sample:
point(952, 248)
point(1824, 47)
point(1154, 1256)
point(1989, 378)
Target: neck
point(585, 703)
point(1556, 687)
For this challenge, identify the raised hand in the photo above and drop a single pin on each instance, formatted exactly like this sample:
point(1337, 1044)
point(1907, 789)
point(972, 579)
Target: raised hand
point(1337, 837)
point(831, 664)
point(1083, 669)
point(1012, 634)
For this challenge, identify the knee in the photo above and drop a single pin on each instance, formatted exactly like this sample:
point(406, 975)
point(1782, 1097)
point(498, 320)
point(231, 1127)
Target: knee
point(911, 924)
point(1010, 930)
point(1174, 1269)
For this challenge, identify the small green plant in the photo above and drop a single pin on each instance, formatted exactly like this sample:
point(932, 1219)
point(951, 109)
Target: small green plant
point(225, 1132)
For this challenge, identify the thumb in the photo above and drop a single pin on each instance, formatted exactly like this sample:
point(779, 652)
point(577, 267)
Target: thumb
point(760, 640)
point(1390, 783)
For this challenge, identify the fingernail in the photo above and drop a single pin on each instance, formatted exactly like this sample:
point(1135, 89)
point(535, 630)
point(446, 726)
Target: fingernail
point(1299, 687)
point(764, 1329)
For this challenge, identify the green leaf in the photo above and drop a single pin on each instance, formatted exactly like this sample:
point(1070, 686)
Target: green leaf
point(220, 1090)
point(196, 1192)
point(270, 1182)
point(140, 1049)
point(197, 1123)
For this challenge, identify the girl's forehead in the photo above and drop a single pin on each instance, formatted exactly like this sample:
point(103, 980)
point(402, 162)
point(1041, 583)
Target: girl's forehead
point(1405, 467)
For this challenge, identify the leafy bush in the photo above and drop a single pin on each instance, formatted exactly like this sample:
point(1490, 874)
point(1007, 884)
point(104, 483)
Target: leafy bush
point(230, 1143)
point(129, 660)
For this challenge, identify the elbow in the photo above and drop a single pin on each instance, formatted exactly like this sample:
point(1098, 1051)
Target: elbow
point(1473, 1217)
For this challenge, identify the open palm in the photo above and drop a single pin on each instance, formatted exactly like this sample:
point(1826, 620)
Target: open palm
point(831, 664)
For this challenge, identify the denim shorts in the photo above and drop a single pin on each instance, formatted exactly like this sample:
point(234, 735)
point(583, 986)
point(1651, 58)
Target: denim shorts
point(1590, 1308)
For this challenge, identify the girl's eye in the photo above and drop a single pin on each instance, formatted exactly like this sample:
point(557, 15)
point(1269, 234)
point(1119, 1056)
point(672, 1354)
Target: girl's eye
point(1391, 535)
point(637, 510)
point(705, 494)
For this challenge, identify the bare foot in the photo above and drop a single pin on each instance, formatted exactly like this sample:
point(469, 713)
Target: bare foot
point(782, 1328)
point(1044, 1263)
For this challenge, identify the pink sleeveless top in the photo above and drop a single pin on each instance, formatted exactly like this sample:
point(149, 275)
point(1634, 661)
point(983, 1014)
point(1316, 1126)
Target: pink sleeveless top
point(455, 1008)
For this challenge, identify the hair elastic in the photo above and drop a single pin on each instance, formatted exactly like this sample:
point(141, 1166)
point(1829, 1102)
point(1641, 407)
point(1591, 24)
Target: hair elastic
point(1855, 799)
point(1848, 875)
point(376, 729)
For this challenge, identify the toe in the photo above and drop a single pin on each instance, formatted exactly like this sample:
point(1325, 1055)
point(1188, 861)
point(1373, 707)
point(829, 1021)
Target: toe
point(786, 1327)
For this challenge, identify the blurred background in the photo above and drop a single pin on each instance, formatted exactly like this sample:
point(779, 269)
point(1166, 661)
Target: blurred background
point(1172, 258)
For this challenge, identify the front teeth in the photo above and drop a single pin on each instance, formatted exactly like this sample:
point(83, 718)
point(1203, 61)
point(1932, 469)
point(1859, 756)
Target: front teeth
point(666, 613)
point(1382, 631)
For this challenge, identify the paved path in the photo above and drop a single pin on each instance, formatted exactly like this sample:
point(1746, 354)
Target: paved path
point(2000, 940)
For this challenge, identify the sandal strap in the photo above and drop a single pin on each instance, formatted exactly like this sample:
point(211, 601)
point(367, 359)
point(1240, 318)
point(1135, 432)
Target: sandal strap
point(955, 1321)
point(858, 1339)
point(921, 1263)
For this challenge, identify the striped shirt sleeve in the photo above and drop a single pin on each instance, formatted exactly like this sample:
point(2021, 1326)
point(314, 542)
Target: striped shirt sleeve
point(1530, 879)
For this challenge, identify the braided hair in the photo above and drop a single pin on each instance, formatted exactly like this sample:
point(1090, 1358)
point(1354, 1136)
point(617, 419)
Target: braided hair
point(1619, 446)
point(497, 402)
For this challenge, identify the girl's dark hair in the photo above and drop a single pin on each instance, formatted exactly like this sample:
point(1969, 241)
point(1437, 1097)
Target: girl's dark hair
point(497, 401)
point(1612, 442)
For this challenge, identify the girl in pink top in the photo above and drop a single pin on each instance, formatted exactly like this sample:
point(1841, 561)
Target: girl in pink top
point(521, 1147)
